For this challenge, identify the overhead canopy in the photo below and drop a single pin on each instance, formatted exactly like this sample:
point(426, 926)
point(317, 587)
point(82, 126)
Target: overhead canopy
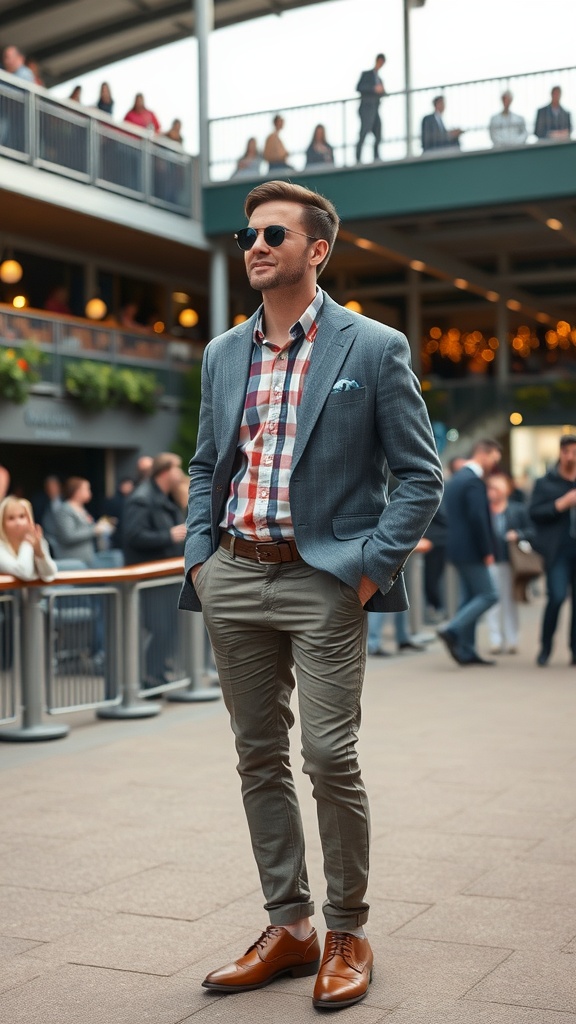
point(71, 37)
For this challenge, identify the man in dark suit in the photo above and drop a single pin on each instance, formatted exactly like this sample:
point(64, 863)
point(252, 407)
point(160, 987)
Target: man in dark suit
point(306, 410)
point(371, 89)
point(553, 510)
point(435, 135)
point(470, 548)
point(552, 121)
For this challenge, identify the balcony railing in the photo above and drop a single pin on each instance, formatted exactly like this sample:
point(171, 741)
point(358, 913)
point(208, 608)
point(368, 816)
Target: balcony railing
point(469, 106)
point(88, 146)
point(62, 340)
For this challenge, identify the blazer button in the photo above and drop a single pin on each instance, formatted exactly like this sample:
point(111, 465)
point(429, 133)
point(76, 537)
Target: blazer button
point(219, 487)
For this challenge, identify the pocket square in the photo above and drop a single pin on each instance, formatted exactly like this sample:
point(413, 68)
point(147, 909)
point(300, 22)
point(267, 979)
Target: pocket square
point(345, 385)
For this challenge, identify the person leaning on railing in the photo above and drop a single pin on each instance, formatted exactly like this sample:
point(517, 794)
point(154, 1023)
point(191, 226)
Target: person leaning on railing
point(24, 553)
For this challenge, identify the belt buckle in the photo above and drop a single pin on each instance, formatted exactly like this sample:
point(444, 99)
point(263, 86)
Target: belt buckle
point(262, 557)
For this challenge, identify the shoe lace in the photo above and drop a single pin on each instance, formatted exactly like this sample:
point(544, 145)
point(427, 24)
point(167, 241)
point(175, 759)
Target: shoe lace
point(339, 944)
point(270, 932)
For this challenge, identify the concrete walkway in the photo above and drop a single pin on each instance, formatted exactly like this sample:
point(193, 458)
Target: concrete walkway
point(126, 874)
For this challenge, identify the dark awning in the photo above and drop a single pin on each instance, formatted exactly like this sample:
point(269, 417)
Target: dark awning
point(71, 37)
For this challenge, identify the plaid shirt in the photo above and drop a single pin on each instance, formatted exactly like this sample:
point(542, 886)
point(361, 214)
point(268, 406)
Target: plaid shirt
point(258, 506)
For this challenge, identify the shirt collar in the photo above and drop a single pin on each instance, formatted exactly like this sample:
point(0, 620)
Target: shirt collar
point(475, 467)
point(305, 327)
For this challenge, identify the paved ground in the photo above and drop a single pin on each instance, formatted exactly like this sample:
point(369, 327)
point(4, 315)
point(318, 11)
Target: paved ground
point(125, 871)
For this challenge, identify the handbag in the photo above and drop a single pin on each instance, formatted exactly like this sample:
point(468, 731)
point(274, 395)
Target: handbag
point(526, 564)
point(525, 561)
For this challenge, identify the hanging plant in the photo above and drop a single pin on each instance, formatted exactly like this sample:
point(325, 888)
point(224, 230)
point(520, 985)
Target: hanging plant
point(98, 386)
point(18, 372)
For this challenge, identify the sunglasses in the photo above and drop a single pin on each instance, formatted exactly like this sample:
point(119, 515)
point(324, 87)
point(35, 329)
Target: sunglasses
point(274, 235)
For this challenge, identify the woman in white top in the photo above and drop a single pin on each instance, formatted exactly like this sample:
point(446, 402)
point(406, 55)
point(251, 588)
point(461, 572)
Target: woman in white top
point(23, 551)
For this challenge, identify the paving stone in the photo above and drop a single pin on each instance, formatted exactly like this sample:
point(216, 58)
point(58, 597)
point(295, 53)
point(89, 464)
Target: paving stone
point(17, 971)
point(467, 1012)
point(149, 945)
point(177, 892)
point(495, 922)
point(556, 849)
point(271, 1005)
point(11, 947)
point(479, 851)
point(544, 980)
point(41, 916)
point(485, 821)
point(74, 994)
point(421, 881)
point(537, 797)
point(546, 883)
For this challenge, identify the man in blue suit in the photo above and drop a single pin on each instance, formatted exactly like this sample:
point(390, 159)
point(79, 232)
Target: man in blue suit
point(371, 89)
point(470, 548)
point(435, 134)
point(306, 410)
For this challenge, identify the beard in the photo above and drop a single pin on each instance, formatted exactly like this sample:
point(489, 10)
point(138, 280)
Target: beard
point(276, 277)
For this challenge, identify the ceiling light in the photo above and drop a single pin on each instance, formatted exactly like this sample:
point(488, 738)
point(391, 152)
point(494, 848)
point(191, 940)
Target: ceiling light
point(417, 265)
point(188, 318)
point(554, 224)
point(461, 282)
point(492, 296)
point(514, 304)
point(95, 309)
point(10, 272)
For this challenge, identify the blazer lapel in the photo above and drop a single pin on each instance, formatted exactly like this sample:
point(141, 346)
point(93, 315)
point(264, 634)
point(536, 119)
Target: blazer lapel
point(235, 382)
point(336, 332)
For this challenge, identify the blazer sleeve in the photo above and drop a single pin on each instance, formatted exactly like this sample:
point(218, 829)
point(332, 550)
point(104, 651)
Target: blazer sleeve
point(406, 436)
point(198, 546)
point(542, 508)
point(478, 515)
point(540, 128)
point(70, 529)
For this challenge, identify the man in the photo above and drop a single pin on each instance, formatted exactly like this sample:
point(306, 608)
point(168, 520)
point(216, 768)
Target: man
point(275, 151)
point(553, 510)
point(306, 409)
point(470, 548)
point(507, 128)
point(13, 61)
point(153, 529)
point(371, 89)
point(435, 135)
point(552, 121)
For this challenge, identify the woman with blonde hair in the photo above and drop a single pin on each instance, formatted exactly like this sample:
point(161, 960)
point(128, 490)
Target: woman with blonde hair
point(23, 551)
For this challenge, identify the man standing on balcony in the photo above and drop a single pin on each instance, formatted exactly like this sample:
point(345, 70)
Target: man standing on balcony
point(435, 134)
point(14, 63)
point(371, 89)
point(306, 409)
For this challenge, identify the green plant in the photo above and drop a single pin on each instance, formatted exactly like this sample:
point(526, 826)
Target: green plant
point(99, 386)
point(565, 392)
point(185, 444)
point(533, 397)
point(18, 372)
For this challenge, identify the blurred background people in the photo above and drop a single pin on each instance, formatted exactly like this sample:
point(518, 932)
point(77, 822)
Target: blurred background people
point(510, 522)
point(275, 151)
point(14, 63)
point(552, 121)
point(319, 151)
point(105, 101)
point(175, 131)
point(76, 94)
point(141, 116)
point(435, 135)
point(23, 550)
point(371, 89)
point(76, 532)
point(251, 160)
point(507, 128)
point(553, 510)
point(58, 300)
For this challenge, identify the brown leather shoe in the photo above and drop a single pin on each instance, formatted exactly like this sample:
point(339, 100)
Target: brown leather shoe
point(275, 952)
point(345, 971)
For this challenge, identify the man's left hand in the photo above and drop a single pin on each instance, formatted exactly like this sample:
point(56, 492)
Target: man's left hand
point(366, 589)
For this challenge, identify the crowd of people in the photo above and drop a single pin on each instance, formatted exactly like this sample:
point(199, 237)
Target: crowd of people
point(482, 519)
point(15, 63)
point(506, 128)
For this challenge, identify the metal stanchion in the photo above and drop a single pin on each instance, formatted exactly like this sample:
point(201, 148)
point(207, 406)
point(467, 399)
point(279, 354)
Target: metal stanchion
point(33, 676)
point(196, 691)
point(451, 589)
point(131, 706)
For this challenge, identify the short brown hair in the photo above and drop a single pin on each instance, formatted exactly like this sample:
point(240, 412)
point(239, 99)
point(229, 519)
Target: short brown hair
point(164, 461)
point(487, 444)
point(71, 485)
point(319, 214)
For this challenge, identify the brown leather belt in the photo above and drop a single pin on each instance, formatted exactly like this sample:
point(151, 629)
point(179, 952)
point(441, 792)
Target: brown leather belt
point(265, 552)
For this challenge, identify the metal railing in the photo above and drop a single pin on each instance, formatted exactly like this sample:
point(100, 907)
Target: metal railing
point(469, 106)
point(85, 641)
point(88, 146)
point(64, 340)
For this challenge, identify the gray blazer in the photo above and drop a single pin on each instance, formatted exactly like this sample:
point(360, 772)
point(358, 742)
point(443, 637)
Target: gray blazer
point(74, 536)
point(347, 443)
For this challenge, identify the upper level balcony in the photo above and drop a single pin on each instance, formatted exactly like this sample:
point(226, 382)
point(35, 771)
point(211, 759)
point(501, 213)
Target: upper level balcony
point(48, 143)
point(469, 106)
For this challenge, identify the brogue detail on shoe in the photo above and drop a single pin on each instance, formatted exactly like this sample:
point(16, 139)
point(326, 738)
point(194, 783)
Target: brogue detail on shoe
point(345, 972)
point(275, 952)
